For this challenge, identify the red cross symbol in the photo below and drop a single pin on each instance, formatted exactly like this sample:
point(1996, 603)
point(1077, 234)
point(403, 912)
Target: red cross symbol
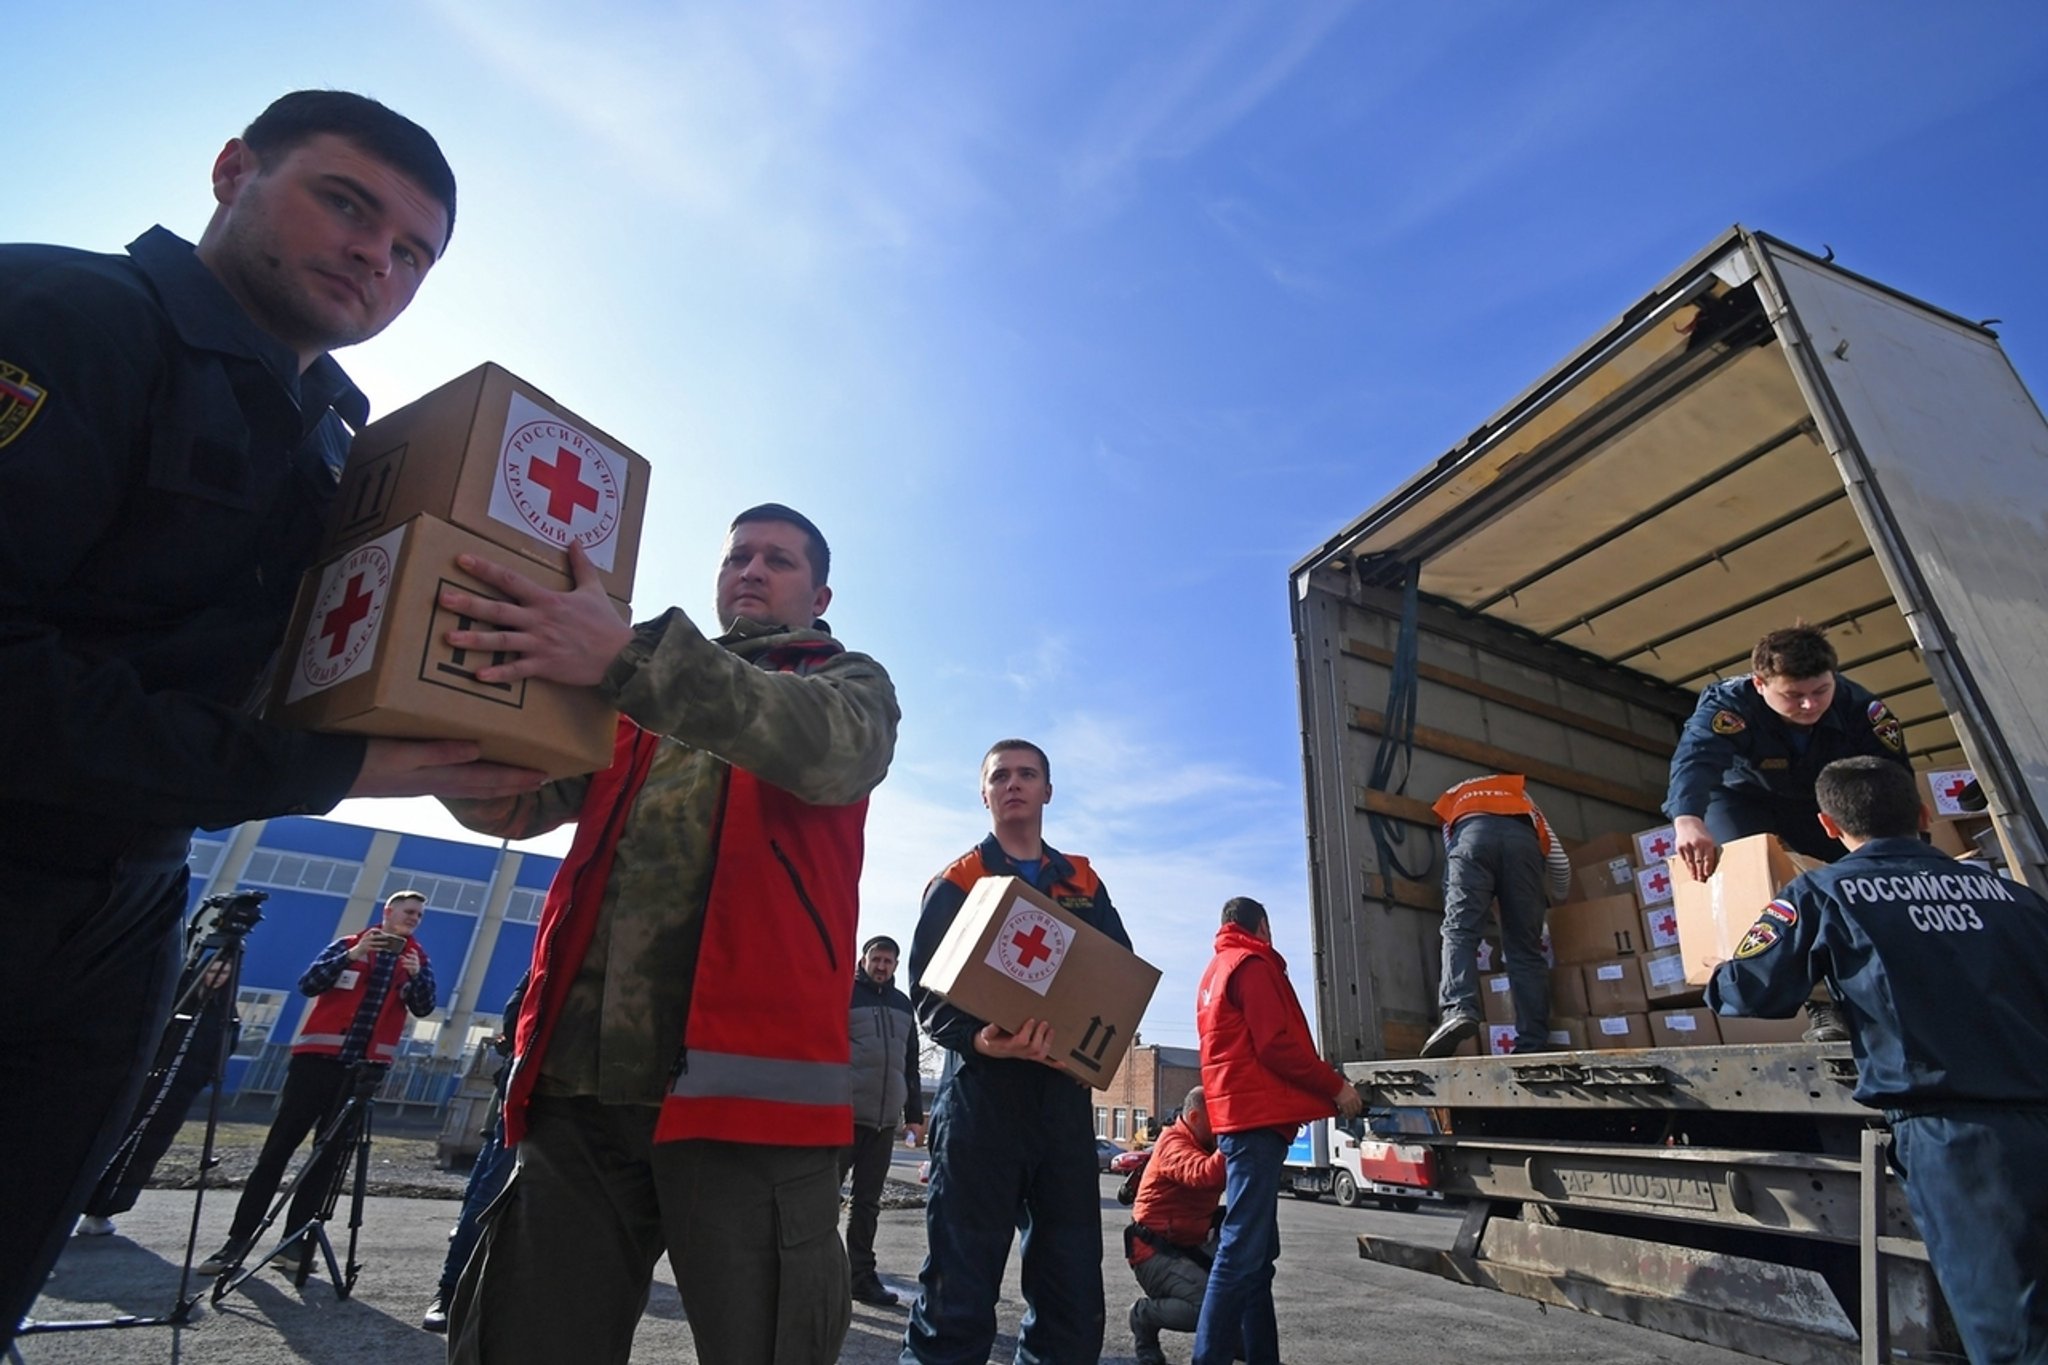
point(1954, 790)
point(336, 624)
point(1667, 923)
point(1661, 846)
point(1031, 947)
point(1659, 883)
point(564, 481)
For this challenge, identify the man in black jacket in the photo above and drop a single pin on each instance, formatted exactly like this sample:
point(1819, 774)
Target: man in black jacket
point(171, 430)
point(886, 1089)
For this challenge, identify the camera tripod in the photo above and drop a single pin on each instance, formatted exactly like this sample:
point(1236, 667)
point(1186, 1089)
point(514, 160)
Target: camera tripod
point(216, 938)
point(345, 1138)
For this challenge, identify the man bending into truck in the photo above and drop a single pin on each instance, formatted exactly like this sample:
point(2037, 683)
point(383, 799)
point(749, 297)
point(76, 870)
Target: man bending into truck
point(1497, 846)
point(1171, 1240)
point(1747, 759)
point(1895, 929)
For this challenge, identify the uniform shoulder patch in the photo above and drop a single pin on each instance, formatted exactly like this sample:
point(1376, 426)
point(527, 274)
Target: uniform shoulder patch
point(1783, 912)
point(1729, 723)
point(1762, 935)
point(21, 398)
point(1883, 724)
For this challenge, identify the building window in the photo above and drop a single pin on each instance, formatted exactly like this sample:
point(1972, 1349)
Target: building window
point(297, 872)
point(459, 894)
point(259, 1010)
point(523, 906)
point(204, 857)
point(1139, 1118)
point(1120, 1134)
point(1102, 1123)
point(422, 1034)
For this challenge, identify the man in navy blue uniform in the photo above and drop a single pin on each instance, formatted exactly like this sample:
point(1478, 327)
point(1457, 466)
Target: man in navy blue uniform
point(1012, 1136)
point(1898, 930)
point(1747, 759)
point(171, 428)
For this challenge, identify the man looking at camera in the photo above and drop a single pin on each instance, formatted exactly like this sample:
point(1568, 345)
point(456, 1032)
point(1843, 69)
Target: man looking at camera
point(171, 427)
point(362, 985)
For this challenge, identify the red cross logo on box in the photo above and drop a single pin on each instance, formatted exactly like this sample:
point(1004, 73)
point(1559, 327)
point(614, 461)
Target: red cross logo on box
point(1660, 847)
point(341, 632)
point(1029, 946)
point(563, 481)
point(1954, 790)
point(559, 483)
point(1660, 882)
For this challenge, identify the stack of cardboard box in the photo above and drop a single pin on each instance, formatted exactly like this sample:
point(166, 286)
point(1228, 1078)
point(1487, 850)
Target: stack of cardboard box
point(485, 465)
point(1712, 917)
point(1618, 980)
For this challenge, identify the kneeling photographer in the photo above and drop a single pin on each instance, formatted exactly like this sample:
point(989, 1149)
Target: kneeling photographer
point(362, 985)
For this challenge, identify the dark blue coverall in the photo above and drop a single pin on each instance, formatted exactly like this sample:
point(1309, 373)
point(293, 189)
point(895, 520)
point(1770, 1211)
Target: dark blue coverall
point(1939, 971)
point(1739, 767)
point(1012, 1150)
point(165, 475)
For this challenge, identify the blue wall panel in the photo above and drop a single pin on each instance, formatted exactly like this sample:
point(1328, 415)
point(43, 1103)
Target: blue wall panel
point(296, 926)
point(446, 857)
point(321, 838)
point(446, 936)
point(537, 871)
point(509, 960)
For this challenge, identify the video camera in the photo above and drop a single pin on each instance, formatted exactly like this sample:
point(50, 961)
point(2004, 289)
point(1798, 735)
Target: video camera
point(227, 918)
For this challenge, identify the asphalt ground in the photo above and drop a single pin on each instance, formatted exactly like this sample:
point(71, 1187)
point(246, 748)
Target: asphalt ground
point(1334, 1308)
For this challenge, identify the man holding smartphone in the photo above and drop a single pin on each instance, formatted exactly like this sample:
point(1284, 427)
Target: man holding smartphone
point(362, 985)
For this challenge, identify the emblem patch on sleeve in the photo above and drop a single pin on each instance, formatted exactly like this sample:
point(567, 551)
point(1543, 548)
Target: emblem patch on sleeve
point(20, 400)
point(1763, 934)
point(1782, 912)
point(1728, 723)
point(1883, 723)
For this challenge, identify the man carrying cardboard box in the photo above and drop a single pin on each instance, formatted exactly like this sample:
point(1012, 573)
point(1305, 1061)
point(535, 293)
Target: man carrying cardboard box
point(1897, 930)
point(681, 1078)
point(1747, 759)
point(1012, 1136)
point(1497, 846)
point(170, 431)
point(1263, 1080)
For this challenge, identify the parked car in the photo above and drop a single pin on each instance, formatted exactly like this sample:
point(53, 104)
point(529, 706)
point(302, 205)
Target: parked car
point(1126, 1162)
point(1106, 1152)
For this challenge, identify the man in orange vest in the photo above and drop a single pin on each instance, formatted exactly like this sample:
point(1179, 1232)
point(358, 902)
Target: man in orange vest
point(362, 985)
point(1497, 847)
point(1263, 1079)
point(1171, 1240)
point(680, 1079)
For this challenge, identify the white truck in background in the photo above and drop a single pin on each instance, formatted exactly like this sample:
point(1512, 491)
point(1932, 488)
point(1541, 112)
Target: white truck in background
point(1765, 437)
point(1347, 1160)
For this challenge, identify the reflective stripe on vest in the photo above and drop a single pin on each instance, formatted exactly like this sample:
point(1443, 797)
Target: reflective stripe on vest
point(724, 1075)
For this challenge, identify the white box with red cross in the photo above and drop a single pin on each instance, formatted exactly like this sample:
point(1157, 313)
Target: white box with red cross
point(492, 454)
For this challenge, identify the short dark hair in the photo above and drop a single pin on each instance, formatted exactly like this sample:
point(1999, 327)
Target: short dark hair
point(1246, 913)
point(880, 941)
point(815, 548)
point(389, 136)
point(1869, 797)
point(1044, 763)
point(1797, 651)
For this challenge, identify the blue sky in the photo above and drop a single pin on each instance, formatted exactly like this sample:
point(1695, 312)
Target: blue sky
point(1073, 325)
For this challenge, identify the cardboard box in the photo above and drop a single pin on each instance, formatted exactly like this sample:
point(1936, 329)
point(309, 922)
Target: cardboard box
point(1496, 1002)
point(1614, 987)
point(367, 654)
point(1945, 790)
point(1591, 931)
point(1607, 1032)
point(1654, 846)
point(1664, 978)
point(1660, 928)
point(1568, 992)
point(1714, 915)
point(1595, 881)
point(499, 458)
point(1653, 885)
point(1013, 954)
point(1683, 1028)
point(1736, 1029)
point(1568, 1033)
point(1500, 1039)
point(1602, 848)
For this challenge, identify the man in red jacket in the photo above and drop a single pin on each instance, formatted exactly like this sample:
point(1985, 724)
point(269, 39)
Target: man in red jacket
point(1169, 1242)
point(1263, 1079)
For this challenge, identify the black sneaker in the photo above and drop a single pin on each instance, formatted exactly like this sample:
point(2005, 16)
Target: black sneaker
point(1824, 1025)
point(436, 1318)
point(220, 1262)
point(1455, 1029)
point(874, 1293)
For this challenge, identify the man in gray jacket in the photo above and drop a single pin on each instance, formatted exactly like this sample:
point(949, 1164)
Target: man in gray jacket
point(885, 1089)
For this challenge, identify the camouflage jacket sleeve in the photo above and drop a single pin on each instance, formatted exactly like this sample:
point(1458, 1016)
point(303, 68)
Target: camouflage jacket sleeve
point(522, 817)
point(825, 736)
